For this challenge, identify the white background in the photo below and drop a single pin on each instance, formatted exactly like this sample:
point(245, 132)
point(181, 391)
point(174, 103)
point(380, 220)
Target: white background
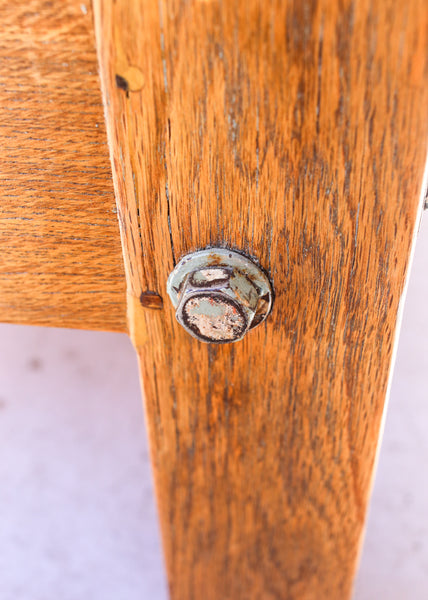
point(77, 515)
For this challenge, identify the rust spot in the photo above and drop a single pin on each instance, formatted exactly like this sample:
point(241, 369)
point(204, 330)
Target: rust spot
point(215, 259)
point(152, 300)
point(261, 310)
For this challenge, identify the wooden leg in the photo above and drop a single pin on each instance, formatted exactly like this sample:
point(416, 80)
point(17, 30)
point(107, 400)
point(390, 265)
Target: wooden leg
point(294, 132)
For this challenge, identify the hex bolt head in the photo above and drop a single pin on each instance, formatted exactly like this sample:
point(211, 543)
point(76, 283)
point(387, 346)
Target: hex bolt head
point(219, 295)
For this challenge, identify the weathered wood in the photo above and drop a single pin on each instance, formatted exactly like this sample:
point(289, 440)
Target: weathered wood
point(61, 260)
point(294, 131)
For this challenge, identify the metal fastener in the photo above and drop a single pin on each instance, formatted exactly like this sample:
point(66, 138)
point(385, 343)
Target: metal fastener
point(219, 295)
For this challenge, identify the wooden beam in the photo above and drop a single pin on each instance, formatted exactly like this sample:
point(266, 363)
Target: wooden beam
point(61, 260)
point(295, 132)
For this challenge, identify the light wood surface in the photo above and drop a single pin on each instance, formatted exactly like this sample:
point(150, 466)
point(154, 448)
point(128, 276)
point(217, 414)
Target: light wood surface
point(294, 131)
point(60, 255)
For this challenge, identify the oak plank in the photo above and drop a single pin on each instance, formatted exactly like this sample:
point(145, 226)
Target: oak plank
point(61, 259)
point(294, 131)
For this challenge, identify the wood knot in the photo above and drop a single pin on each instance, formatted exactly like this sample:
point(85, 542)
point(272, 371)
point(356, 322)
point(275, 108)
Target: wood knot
point(130, 80)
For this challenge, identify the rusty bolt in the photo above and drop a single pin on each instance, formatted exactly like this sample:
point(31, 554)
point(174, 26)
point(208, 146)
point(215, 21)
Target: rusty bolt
point(219, 295)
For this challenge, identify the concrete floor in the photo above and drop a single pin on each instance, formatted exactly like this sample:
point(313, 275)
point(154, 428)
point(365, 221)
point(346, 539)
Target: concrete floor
point(77, 515)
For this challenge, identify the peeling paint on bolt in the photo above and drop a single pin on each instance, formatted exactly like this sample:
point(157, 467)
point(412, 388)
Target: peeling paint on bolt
point(219, 295)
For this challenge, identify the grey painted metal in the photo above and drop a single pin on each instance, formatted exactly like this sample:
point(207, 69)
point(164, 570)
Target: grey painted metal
point(219, 295)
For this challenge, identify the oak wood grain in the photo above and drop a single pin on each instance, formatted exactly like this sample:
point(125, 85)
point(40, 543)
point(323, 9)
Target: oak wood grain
point(296, 132)
point(60, 255)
